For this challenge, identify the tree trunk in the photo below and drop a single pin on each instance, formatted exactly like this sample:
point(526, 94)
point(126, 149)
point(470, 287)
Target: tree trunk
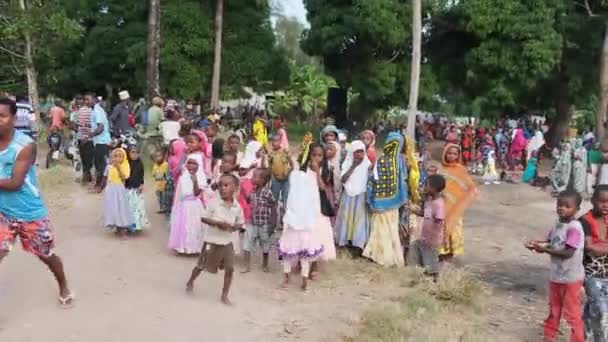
point(30, 70)
point(602, 103)
point(415, 69)
point(217, 59)
point(109, 97)
point(564, 110)
point(153, 50)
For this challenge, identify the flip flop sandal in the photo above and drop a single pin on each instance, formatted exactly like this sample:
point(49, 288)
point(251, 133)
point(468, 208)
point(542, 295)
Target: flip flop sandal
point(67, 301)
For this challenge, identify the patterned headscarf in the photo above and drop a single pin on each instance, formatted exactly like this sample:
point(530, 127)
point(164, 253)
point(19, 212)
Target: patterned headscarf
point(387, 188)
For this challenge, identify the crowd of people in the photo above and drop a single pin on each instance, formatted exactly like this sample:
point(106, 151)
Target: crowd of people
point(229, 194)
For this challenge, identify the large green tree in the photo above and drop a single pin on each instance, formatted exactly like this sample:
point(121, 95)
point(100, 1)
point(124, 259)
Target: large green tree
point(29, 30)
point(112, 52)
point(366, 47)
point(516, 56)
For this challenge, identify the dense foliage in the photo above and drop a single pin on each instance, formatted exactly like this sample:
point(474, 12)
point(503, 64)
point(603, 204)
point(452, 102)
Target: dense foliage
point(110, 52)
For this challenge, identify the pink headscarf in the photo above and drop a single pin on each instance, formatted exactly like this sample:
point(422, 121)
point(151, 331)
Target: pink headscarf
point(519, 141)
point(206, 150)
point(284, 141)
point(177, 151)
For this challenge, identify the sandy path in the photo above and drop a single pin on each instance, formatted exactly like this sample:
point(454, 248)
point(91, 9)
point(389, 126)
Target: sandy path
point(134, 289)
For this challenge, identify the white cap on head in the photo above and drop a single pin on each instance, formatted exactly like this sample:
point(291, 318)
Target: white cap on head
point(124, 95)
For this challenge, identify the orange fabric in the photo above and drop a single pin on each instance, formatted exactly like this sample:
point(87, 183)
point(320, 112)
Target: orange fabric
point(460, 190)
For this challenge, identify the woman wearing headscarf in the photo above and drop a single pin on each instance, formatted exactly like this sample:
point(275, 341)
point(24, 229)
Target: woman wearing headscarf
point(387, 193)
point(459, 193)
point(579, 167)
point(517, 148)
point(562, 170)
point(352, 223)
point(329, 133)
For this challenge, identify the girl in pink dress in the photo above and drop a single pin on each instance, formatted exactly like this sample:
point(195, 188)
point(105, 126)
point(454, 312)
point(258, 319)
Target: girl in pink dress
point(187, 231)
point(299, 241)
point(317, 166)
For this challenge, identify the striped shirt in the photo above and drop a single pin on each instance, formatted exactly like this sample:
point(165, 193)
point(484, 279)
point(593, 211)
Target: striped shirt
point(84, 123)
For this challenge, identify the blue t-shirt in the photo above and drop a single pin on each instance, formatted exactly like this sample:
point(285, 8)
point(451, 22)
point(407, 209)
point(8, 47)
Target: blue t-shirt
point(26, 203)
point(99, 116)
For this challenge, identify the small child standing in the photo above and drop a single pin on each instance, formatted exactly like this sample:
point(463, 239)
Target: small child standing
point(260, 227)
point(281, 165)
point(425, 250)
point(595, 313)
point(116, 211)
point(299, 242)
point(564, 244)
point(160, 173)
point(135, 186)
point(223, 216)
point(187, 233)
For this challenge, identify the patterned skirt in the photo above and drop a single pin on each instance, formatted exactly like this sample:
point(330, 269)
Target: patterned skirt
point(384, 245)
point(138, 208)
point(454, 244)
point(595, 312)
point(352, 223)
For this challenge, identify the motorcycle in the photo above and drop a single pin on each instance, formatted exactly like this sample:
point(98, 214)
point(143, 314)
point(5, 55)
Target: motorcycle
point(54, 142)
point(72, 153)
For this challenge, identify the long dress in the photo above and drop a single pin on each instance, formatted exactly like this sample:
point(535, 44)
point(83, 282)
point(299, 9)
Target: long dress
point(562, 170)
point(116, 210)
point(135, 196)
point(579, 167)
point(384, 245)
point(387, 193)
point(352, 221)
point(460, 191)
point(187, 231)
point(299, 241)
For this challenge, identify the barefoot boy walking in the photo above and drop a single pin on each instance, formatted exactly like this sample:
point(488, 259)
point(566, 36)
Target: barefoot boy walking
point(22, 211)
point(223, 216)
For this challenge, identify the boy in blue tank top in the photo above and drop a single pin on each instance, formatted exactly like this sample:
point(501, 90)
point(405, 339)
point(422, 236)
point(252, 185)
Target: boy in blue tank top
point(22, 211)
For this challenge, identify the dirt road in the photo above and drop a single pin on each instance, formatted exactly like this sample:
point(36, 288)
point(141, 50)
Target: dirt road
point(134, 289)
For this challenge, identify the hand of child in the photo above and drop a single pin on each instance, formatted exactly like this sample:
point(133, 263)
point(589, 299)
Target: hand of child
point(140, 189)
point(224, 226)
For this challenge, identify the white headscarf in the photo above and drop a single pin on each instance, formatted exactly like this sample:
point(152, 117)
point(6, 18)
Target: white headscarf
point(250, 154)
point(537, 141)
point(357, 182)
point(303, 202)
point(185, 186)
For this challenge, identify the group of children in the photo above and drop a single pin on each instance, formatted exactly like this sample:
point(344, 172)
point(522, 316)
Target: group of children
point(223, 203)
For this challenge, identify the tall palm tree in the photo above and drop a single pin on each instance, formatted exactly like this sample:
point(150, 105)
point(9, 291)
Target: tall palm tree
point(217, 58)
point(415, 71)
point(153, 50)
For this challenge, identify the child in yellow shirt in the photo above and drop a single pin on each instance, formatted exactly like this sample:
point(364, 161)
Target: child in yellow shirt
point(160, 172)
